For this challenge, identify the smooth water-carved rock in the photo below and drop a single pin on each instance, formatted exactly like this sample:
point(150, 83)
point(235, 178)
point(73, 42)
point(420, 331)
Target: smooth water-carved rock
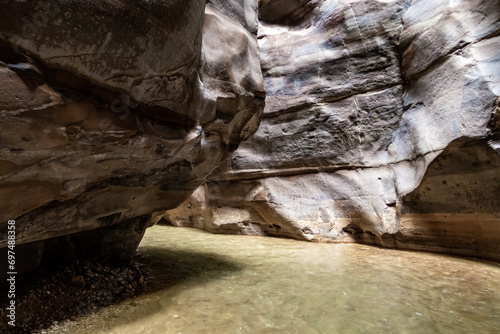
point(455, 204)
point(365, 100)
point(113, 111)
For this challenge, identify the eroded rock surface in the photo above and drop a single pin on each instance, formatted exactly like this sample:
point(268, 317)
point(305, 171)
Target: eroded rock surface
point(380, 126)
point(112, 111)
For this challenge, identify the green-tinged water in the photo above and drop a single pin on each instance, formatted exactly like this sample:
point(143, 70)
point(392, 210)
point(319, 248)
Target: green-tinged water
point(206, 283)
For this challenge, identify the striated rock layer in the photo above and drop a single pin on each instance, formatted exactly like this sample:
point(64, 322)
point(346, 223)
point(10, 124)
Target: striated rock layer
point(381, 126)
point(112, 111)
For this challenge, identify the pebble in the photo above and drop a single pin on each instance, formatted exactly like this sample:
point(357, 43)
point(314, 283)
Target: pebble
point(78, 281)
point(62, 297)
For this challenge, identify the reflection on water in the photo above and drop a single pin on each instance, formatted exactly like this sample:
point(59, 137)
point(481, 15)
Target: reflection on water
point(206, 283)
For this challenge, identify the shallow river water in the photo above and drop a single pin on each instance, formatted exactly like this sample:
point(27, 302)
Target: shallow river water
point(204, 283)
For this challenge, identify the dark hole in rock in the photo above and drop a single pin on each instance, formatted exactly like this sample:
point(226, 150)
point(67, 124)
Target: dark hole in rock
point(307, 230)
point(15, 149)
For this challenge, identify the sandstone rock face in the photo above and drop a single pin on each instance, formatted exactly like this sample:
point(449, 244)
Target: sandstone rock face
point(111, 111)
point(381, 126)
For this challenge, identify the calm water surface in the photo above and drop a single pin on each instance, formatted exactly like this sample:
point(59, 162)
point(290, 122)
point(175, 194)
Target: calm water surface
point(204, 283)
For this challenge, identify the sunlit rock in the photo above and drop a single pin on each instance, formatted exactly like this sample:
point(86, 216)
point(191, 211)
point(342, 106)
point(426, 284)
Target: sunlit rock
point(365, 102)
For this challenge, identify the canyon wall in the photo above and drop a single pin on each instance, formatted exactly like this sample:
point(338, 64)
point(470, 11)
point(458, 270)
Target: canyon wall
point(112, 112)
point(380, 126)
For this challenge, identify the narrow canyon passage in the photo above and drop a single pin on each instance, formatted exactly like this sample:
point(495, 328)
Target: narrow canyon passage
point(375, 122)
point(205, 283)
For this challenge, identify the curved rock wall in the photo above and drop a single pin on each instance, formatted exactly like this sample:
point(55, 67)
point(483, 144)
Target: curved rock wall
point(112, 111)
point(366, 100)
point(381, 122)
